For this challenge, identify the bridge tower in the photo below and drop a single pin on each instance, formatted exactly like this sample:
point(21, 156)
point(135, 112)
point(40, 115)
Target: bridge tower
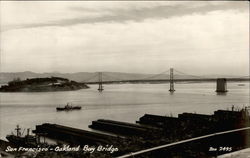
point(221, 86)
point(100, 88)
point(171, 81)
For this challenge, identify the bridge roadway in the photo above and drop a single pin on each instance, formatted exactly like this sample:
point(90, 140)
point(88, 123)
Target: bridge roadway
point(165, 80)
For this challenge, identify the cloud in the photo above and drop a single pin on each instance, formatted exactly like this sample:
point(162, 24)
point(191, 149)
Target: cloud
point(200, 38)
point(210, 42)
point(123, 12)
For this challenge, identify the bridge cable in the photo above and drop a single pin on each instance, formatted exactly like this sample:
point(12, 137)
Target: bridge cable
point(112, 77)
point(153, 76)
point(200, 77)
point(88, 79)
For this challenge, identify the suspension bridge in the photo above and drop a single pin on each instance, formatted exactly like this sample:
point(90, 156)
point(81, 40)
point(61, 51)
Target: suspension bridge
point(170, 76)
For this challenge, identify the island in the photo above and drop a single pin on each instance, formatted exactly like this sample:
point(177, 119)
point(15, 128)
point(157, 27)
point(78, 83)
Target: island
point(48, 84)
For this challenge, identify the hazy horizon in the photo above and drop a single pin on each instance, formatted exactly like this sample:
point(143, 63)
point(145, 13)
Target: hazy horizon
point(128, 73)
point(147, 37)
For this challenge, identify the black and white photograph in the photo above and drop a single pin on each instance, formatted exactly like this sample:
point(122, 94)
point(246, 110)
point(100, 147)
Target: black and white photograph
point(124, 79)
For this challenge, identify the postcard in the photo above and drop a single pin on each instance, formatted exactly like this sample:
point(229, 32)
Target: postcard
point(124, 79)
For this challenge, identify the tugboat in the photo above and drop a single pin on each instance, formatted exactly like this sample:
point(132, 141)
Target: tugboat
point(20, 140)
point(68, 108)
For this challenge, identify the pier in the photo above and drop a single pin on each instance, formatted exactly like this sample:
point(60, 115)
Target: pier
point(221, 85)
point(74, 135)
point(122, 128)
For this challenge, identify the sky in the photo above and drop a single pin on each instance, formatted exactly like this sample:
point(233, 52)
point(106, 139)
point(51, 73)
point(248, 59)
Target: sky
point(196, 37)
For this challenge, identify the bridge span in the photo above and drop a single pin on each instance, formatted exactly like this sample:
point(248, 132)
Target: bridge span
point(170, 78)
point(165, 81)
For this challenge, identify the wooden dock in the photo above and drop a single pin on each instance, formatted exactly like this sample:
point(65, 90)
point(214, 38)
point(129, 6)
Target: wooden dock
point(123, 128)
point(74, 135)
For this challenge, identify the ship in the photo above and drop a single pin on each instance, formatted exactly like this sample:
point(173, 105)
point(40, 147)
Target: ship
point(68, 108)
point(19, 139)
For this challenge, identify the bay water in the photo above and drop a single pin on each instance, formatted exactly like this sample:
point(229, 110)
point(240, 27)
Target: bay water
point(122, 102)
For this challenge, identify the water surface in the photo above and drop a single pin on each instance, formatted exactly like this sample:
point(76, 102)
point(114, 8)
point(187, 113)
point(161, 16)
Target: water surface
point(123, 102)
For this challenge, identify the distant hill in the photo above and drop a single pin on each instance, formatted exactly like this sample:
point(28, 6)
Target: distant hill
point(5, 77)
